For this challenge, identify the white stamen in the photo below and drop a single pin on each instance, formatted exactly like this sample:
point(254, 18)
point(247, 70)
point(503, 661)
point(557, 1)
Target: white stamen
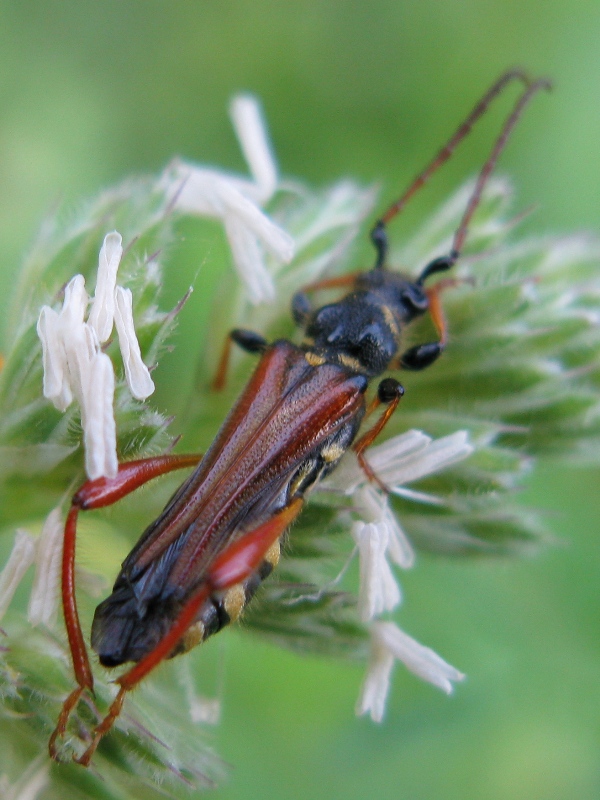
point(376, 685)
point(432, 457)
point(56, 387)
point(75, 303)
point(402, 459)
point(138, 377)
point(212, 194)
point(74, 365)
point(407, 457)
point(419, 497)
point(21, 558)
point(61, 336)
point(197, 189)
point(235, 201)
point(373, 506)
point(80, 345)
point(43, 601)
point(249, 261)
point(103, 307)
point(388, 642)
point(98, 421)
point(378, 590)
point(378, 536)
point(420, 660)
point(274, 238)
point(251, 131)
point(400, 549)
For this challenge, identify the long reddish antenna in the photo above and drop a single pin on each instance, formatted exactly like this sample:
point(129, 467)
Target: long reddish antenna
point(488, 167)
point(445, 262)
point(378, 234)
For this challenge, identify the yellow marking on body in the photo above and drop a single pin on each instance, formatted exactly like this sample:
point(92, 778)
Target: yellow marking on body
point(313, 359)
point(350, 362)
point(192, 637)
point(308, 340)
point(234, 601)
point(273, 553)
point(306, 469)
point(332, 452)
point(390, 320)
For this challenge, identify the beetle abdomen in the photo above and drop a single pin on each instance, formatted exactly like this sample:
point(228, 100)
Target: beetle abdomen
point(122, 631)
point(219, 611)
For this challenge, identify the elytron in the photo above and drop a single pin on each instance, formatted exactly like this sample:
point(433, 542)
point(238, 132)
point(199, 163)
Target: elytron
point(196, 567)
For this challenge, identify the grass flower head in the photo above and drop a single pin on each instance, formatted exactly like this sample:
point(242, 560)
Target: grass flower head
point(74, 399)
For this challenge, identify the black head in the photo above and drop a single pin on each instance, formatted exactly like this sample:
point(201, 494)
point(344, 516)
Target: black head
point(363, 329)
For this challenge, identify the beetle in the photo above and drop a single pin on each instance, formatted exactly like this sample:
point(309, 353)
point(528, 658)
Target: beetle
point(196, 567)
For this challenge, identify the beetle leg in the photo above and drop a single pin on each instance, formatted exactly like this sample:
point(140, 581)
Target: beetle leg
point(249, 341)
point(338, 282)
point(95, 494)
point(301, 306)
point(389, 391)
point(235, 564)
point(423, 355)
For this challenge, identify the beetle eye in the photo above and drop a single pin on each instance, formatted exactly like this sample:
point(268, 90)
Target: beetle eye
point(415, 296)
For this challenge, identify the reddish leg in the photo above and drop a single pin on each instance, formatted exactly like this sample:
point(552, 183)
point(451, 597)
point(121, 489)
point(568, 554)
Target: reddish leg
point(436, 310)
point(423, 355)
point(249, 341)
point(234, 565)
point(95, 494)
point(301, 305)
point(218, 383)
point(390, 392)
point(332, 283)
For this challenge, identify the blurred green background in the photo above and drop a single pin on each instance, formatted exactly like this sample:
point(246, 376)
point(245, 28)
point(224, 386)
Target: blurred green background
point(91, 92)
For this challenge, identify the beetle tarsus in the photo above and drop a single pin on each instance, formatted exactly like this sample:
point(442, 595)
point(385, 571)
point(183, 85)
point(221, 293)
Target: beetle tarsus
point(421, 356)
point(250, 341)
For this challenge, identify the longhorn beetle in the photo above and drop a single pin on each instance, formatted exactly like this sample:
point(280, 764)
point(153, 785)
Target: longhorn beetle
point(194, 568)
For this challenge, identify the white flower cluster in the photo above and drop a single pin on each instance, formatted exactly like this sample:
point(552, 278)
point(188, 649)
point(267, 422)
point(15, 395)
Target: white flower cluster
point(388, 644)
point(74, 364)
point(397, 462)
point(76, 367)
point(236, 201)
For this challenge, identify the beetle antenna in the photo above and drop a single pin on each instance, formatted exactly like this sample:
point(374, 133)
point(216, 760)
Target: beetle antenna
point(445, 262)
point(378, 233)
point(488, 167)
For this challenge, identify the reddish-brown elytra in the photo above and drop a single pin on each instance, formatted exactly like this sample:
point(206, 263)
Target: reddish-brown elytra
point(195, 568)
